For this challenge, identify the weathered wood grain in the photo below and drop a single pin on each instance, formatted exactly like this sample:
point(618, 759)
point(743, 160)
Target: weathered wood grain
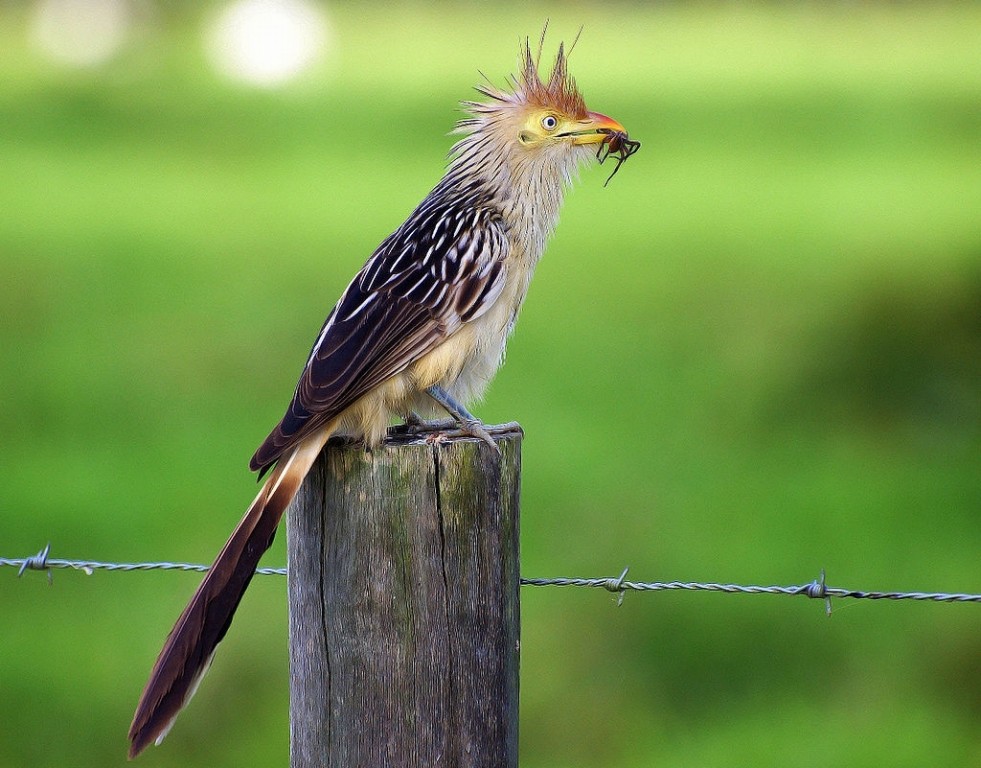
point(404, 614)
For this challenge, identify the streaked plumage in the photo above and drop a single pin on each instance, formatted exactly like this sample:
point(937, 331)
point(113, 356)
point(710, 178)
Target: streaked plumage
point(432, 307)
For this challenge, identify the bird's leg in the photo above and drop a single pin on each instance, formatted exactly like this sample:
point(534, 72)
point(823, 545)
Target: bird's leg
point(466, 421)
point(413, 422)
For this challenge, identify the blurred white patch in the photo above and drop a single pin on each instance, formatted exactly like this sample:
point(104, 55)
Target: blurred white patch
point(80, 33)
point(267, 42)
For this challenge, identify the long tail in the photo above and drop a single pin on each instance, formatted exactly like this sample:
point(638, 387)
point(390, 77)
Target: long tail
point(191, 645)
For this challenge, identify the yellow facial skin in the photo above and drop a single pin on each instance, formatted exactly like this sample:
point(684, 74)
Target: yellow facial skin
point(543, 126)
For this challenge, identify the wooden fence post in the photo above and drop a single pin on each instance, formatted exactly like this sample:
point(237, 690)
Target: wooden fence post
point(403, 601)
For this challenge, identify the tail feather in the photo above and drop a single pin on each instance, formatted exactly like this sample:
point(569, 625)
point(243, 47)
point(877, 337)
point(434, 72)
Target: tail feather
point(191, 645)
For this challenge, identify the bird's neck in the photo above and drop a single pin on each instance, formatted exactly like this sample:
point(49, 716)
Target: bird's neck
point(532, 209)
point(527, 193)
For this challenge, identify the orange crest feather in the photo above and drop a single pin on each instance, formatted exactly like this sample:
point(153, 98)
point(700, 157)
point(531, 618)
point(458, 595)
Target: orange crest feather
point(559, 92)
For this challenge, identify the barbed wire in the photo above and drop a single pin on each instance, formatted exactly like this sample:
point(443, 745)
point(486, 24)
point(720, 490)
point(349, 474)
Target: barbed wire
point(41, 562)
point(817, 589)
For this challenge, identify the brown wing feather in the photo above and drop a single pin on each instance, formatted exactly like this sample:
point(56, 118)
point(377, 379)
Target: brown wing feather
point(444, 267)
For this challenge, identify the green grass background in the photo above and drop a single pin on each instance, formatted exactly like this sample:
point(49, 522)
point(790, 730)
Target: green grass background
point(755, 354)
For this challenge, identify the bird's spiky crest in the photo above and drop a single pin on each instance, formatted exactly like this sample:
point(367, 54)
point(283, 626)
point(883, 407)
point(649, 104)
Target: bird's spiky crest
point(559, 92)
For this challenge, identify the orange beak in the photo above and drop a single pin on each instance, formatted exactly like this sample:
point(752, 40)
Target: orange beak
point(594, 129)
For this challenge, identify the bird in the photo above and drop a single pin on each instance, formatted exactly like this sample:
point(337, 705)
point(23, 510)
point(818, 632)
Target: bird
point(423, 324)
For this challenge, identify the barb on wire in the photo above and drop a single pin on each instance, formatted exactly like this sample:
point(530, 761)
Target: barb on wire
point(817, 589)
point(41, 562)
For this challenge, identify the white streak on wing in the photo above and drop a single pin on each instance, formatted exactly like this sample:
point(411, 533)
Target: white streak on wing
point(467, 257)
point(370, 298)
point(403, 255)
point(323, 334)
point(418, 282)
point(439, 244)
point(451, 255)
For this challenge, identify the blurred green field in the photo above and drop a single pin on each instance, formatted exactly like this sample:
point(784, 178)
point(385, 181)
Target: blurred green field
point(752, 356)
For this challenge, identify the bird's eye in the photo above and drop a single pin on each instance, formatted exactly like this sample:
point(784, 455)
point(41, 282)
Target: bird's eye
point(549, 122)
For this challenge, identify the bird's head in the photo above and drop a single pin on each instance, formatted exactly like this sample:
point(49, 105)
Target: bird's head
point(553, 113)
point(535, 127)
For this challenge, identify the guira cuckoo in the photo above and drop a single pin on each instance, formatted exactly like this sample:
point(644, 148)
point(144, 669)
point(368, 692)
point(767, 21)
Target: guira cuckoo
point(425, 319)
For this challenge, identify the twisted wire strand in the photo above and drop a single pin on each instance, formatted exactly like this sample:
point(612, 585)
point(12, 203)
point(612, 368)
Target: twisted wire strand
point(817, 589)
point(814, 589)
point(41, 562)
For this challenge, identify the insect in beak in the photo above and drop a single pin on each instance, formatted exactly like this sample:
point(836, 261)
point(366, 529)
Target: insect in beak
point(617, 144)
